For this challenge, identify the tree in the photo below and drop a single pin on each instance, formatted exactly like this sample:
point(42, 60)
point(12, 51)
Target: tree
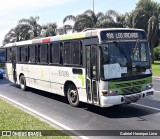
point(49, 30)
point(153, 34)
point(88, 19)
point(64, 29)
point(68, 18)
point(142, 13)
point(11, 36)
point(145, 16)
point(32, 24)
point(25, 30)
point(19, 33)
point(157, 53)
point(113, 19)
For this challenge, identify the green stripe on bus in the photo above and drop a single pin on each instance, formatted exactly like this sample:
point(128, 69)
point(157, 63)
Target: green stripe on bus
point(82, 78)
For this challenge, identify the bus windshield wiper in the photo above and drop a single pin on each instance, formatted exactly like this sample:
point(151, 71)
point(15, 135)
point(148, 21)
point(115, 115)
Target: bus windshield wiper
point(122, 52)
point(135, 47)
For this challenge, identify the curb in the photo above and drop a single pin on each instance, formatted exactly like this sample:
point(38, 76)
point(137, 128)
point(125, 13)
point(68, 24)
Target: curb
point(157, 77)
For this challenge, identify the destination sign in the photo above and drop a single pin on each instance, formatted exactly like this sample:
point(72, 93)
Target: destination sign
point(124, 34)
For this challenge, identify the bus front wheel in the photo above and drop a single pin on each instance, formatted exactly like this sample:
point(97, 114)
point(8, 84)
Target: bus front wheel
point(23, 83)
point(72, 95)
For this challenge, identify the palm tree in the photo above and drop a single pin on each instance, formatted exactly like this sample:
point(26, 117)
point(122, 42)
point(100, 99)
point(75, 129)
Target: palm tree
point(128, 20)
point(64, 29)
point(88, 19)
point(153, 34)
point(82, 22)
point(142, 13)
point(116, 19)
point(94, 18)
point(145, 16)
point(32, 24)
point(49, 30)
point(71, 18)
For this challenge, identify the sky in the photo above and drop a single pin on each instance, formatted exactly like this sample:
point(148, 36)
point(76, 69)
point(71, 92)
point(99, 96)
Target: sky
point(49, 11)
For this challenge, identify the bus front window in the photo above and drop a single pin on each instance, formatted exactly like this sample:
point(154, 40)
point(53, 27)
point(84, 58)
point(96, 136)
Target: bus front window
point(125, 59)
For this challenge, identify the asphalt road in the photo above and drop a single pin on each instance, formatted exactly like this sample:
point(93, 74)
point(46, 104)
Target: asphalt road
point(144, 115)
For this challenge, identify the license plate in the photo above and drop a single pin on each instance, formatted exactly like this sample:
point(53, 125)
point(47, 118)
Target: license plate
point(133, 98)
point(149, 93)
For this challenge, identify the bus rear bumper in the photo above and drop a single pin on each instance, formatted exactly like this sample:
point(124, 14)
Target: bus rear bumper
point(108, 101)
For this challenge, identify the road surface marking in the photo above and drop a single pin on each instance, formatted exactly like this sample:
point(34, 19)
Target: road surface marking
point(157, 91)
point(146, 106)
point(43, 116)
point(157, 79)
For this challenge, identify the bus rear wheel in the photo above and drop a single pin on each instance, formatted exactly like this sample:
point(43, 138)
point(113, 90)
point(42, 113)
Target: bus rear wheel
point(22, 81)
point(72, 95)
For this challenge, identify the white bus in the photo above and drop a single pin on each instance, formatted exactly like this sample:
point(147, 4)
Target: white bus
point(103, 67)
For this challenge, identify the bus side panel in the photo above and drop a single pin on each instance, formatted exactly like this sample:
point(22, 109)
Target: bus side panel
point(60, 75)
point(82, 94)
point(39, 77)
point(9, 72)
point(57, 80)
point(22, 69)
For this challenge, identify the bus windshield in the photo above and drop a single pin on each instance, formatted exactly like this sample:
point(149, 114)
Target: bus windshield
point(125, 59)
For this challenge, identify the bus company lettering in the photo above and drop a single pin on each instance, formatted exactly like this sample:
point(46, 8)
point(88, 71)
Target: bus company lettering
point(122, 35)
point(140, 133)
point(63, 73)
point(26, 133)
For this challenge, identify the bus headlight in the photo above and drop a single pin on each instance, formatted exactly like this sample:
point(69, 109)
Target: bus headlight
point(113, 92)
point(149, 86)
point(110, 92)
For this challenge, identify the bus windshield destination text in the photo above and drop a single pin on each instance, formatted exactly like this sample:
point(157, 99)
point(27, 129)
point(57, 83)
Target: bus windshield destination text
point(122, 35)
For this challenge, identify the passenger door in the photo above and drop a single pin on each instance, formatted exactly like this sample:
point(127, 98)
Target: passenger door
point(13, 61)
point(92, 71)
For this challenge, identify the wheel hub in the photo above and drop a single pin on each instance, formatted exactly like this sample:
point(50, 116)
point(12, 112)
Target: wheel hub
point(73, 95)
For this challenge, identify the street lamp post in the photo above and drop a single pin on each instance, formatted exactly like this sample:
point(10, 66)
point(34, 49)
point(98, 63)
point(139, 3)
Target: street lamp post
point(93, 5)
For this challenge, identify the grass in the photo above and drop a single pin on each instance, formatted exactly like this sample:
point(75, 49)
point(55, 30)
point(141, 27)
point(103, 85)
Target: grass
point(12, 118)
point(156, 68)
point(2, 65)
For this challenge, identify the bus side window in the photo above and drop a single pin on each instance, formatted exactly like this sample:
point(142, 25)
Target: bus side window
point(67, 53)
point(32, 54)
point(8, 50)
point(2, 54)
point(72, 53)
point(43, 51)
point(18, 54)
point(61, 53)
point(38, 53)
point(28, 54)
point(55, 53)
point(23, 54)
point(76, 54)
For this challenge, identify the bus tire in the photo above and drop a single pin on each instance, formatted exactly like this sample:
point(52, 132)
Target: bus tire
point(22, 81)
point(72, 95)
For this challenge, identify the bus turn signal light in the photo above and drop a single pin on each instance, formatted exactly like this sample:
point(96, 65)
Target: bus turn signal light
point(104, 92)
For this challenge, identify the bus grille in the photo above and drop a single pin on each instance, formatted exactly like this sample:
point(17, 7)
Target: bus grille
point(131, 90)
point(131, 87)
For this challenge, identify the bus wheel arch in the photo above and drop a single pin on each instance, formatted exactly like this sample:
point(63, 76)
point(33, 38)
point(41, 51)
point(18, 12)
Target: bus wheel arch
point(71, 93)
point(22, 82)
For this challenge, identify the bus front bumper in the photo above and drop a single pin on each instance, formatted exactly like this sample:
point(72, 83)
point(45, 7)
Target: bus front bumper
point(108, 101)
